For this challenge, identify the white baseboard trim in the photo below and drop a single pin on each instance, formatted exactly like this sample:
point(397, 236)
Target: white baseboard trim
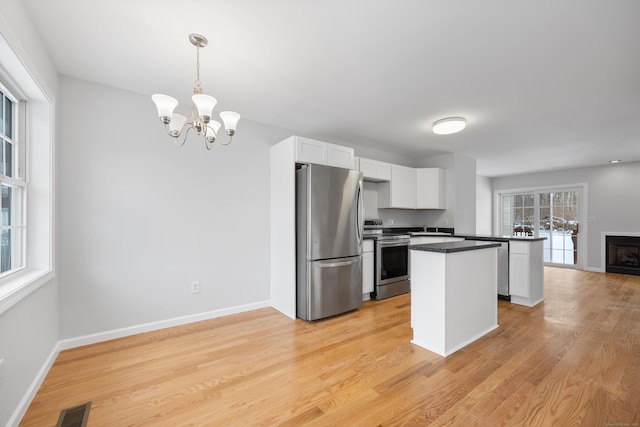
point(17, 415)
point(22, 407)
point(595, 270)
point(154, 326)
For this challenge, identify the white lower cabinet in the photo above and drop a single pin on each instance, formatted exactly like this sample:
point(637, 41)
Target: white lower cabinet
point(367, 268)
point(367, 272)
point(526, 272)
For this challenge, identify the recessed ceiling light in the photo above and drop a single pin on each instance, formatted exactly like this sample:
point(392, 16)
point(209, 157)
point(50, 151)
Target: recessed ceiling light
point(449, 125)
point(615, 161)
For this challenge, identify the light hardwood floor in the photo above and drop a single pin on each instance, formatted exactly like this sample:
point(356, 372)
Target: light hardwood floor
point(572, 360)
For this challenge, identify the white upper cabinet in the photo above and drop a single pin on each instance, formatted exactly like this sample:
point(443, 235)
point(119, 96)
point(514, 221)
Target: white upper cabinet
point(310, 151)
point(340, 156)
point(323, 153)
point(431, 188)
point(400, 192)
point(373, 170)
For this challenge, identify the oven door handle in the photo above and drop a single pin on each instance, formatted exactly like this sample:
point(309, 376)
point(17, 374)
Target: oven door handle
point(388, 244)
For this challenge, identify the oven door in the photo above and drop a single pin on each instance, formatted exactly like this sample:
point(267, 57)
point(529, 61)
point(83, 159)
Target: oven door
point(392, 261)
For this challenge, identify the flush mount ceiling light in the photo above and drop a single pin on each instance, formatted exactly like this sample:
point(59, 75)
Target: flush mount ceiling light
point(176, 124)
point(449, 125)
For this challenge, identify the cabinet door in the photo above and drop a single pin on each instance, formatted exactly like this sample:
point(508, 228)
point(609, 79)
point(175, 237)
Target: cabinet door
point(403, 187)
point(519, 284)
point(340, 156)
point(369, 169)
point(310, 151)
point(431, 191)
point(367, 272)
point(383, 171)
point(374, 170)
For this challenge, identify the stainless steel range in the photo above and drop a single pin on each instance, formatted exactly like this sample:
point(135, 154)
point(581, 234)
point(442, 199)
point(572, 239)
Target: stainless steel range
point(391, 255)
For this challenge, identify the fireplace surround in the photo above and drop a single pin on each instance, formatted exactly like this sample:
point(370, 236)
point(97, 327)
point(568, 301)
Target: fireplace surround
point(622, 254)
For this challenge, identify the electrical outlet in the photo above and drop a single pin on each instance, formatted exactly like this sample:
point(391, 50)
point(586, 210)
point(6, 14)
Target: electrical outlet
point(195, 287)
point(1, 373)
point(446, 222)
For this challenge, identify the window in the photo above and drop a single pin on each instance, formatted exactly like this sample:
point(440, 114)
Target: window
point(27, 114)
point(12, 185)
point(550, 213)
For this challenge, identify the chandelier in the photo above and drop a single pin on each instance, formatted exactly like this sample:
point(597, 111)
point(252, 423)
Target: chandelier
point(202, 109)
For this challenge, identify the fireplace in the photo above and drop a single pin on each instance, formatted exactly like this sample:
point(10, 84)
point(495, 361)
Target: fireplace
point(623, 254)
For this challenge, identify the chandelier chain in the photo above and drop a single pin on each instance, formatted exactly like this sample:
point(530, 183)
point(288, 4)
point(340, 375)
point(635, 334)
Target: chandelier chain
point(197, 89)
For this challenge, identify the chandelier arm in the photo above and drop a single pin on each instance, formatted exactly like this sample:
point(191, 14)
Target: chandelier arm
point(189, 126)
point(166, 128)
point(228, 142)
point(208, 145)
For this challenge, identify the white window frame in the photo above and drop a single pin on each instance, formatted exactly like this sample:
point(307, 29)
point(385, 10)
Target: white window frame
point(37, 107)
point(582, 215)
point(18, 180)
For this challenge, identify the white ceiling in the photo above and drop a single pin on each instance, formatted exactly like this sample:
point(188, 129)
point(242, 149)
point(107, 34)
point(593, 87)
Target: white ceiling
point(543, 84)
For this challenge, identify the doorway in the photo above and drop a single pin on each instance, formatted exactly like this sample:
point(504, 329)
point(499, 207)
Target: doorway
point(551, 213)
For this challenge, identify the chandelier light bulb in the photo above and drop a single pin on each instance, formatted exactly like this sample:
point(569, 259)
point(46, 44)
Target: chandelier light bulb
point(449, 125)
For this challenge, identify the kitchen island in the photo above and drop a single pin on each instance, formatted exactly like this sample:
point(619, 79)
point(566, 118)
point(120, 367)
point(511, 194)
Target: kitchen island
point(453, 294)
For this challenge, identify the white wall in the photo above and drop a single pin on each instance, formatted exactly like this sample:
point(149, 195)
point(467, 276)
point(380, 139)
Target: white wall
point(29, 329)
point(461, 193)
point(141, 218)
point(613, 199)
point(484, 206)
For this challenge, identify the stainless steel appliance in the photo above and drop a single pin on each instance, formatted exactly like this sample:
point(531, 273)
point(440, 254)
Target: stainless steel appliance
point(503, 271)
point(329, 223)
point(391, 254)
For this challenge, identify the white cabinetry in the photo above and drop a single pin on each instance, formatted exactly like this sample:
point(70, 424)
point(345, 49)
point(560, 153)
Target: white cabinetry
point(526, 272)
point(367, 268)
point(431, 191)
point(340, 156)
point(400, 192)
point(323, 153)
point(373, 170)
point(411, 188)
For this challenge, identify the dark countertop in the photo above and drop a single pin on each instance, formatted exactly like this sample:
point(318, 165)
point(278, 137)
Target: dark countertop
point(484, 237)
point(450, 247)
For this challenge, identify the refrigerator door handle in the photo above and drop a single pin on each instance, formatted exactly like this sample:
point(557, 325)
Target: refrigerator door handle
point(337, 264)
point(359, 213)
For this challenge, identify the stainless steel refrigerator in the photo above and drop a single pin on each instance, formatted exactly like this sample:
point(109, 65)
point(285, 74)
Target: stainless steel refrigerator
point(329, 229)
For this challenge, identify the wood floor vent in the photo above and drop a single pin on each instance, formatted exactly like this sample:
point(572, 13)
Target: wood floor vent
point(74, 417)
